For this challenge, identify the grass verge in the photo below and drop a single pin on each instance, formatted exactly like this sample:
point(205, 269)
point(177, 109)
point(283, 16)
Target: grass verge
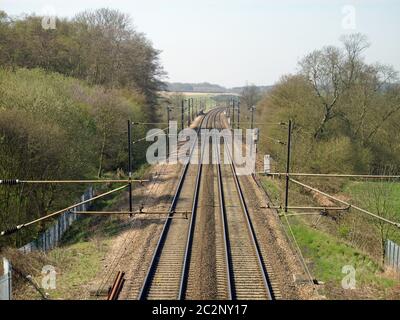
point(326, 255)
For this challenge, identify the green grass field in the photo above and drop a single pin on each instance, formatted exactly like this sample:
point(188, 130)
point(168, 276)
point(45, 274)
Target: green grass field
point(76, 266)
point(328, 255)
point(390, 190)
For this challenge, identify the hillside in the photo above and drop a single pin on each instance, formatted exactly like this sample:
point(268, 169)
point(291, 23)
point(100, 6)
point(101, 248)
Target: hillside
point(58, 127)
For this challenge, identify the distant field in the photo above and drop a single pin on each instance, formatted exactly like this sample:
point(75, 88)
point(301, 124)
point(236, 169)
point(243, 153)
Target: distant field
point(205, 96)
point(191, 93)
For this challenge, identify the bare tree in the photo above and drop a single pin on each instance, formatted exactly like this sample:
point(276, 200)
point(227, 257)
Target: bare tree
point(331, 72)
point(250, 95)
point(322, 69)
point(354, 45)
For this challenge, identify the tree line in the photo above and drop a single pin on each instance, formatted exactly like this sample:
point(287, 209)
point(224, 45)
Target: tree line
point(101, 47)
point(65, 97)
point(346, 111)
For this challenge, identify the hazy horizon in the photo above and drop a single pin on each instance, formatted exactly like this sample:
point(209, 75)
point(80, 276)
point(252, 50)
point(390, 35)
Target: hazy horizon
point(230, 43)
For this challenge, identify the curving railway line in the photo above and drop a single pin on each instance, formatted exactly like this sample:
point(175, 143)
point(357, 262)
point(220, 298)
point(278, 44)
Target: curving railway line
point(242, 273)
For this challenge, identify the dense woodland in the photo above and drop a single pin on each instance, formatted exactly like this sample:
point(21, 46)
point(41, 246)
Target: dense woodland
point(65, 97)
point(346, 112)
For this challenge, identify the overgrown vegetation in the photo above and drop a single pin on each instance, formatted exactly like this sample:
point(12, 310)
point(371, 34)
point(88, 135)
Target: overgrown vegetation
point(65, 98)
point(101, 47)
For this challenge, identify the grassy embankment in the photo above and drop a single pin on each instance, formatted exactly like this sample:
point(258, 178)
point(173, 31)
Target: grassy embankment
point(80, 257)
point(326, 254)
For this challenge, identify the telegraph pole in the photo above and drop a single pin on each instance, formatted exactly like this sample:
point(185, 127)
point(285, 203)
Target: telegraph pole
point(288, 166)
point(130, 166)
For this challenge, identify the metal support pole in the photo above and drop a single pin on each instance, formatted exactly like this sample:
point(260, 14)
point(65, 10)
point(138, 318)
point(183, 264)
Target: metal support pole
point(167, 155)
point(192, 109)
point(182, 113)
point(233, 114)
point(288, 166)
point(130, 165)
point(238, 114)
point(252, 117)
point(188, 113)
point(252, 127)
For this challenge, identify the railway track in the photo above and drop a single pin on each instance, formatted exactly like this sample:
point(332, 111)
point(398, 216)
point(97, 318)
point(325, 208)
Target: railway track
point(246, 273)
point(238, 262)
point(167, 275)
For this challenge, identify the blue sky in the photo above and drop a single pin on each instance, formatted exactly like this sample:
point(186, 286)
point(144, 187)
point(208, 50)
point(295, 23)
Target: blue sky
point(231, 42)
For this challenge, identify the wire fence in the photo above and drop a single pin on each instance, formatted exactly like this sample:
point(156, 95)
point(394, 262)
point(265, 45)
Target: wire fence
point(52, 236)
point(6, 281)
point(392, 256)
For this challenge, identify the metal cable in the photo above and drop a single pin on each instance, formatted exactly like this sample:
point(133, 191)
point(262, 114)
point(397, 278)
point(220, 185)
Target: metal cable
point(299, 250)
point(151, 135)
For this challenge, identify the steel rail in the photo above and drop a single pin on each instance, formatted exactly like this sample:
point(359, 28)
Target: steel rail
point(228, 259)
point(160, 244)
point(189, 242)
point(116, 287)
point(264, 272)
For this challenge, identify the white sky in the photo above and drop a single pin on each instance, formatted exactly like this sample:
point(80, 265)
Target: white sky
point(230, 42)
